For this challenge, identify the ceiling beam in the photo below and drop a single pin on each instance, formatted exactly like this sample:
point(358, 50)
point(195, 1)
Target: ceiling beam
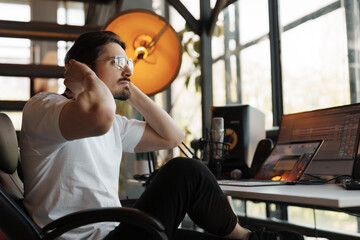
point(189, 18)
point(32, 70)
point(42, 30)
point(12, 105)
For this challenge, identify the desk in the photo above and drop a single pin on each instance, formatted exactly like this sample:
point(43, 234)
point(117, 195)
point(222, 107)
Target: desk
point(326, 195)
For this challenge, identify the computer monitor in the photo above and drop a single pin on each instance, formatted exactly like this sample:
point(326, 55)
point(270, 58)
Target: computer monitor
point(338, 127)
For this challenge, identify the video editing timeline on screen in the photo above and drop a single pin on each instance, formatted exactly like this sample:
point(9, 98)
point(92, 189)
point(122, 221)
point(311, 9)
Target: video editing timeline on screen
point(338, 127)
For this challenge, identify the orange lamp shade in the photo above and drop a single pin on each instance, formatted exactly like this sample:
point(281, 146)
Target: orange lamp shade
point(152, 44)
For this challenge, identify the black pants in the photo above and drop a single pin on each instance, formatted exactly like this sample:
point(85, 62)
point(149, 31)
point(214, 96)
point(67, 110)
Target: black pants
point(182, 186)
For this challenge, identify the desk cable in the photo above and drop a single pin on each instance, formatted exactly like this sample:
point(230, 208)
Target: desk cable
point(319, 181)
point(316, 233)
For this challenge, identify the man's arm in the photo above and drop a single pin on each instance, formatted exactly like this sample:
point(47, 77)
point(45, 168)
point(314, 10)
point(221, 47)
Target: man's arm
point(92, 111)
point(161, 131)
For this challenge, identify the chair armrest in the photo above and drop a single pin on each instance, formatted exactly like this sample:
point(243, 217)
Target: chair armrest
point(118, 214)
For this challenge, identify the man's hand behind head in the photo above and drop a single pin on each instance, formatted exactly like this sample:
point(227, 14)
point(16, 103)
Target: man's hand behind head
point(76, 74)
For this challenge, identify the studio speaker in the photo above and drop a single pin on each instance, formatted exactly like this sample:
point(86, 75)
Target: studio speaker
point(244, 128)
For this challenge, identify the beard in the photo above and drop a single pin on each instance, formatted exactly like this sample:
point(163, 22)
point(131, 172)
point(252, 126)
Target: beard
point(123, 95)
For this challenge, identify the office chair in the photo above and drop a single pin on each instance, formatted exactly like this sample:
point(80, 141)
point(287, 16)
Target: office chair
point(16, 224)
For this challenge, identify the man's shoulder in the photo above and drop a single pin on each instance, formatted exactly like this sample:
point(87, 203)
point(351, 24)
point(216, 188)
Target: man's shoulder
point(46, 98)
point(124, 120)
point(46, 95)
point(128, 124)
point(41, 115)
point(44, 103)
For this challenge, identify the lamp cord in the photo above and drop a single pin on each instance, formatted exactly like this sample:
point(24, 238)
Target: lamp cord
point(182, 150)
point(151, 44)
point(157, 37)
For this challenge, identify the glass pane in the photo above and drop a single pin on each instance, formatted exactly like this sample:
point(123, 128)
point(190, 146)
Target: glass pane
point(15, 12)
point(14, 88)
point(193, 7)
point(294, 9)
point(257, 210)
point(255, 71)
point(315, 70)
point(256, 79)
point(176, 20)
point(217, 41)
point(233, 80)
point(219, 93)
point(71, 13)
point(63, 47)
point(254, 19)
point(186, 109)
point(238, 206)
point(14, 50)
point(329, 220)
point(301, 216)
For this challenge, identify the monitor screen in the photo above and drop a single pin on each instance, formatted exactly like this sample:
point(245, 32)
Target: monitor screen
point(337, 126)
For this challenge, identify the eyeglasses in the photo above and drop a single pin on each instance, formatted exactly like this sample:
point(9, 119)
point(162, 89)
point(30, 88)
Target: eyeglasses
point(120, 62)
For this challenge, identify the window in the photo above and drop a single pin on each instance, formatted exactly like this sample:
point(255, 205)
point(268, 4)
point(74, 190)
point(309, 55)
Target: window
point(71, 13)
point(256, 79)
point(15, 51)
point(315, 64)
point(25, 51)
point(322, 219)
point(15, 11)
point(241, 70)
point(186, 99)
point(319, 64)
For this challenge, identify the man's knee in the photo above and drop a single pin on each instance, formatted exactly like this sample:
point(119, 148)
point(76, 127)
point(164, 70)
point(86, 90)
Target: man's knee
point(186, 165)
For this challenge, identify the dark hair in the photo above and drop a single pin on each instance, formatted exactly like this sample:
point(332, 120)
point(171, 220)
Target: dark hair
point(89, 46)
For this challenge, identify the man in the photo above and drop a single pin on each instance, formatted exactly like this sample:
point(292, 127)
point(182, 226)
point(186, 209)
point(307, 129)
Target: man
point(71, 148)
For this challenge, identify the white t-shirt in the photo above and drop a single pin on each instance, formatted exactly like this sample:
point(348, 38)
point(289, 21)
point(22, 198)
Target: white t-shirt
point(60, 176)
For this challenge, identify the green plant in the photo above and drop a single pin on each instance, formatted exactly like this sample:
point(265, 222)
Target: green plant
point(191, 46)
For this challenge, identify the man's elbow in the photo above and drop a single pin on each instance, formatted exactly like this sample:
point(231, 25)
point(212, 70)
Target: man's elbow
point(101, 129)
point(177, 140)
point(103, 122)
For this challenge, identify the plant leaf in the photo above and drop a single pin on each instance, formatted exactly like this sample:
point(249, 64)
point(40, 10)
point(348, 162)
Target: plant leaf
point(198, 83)
point(187, 81)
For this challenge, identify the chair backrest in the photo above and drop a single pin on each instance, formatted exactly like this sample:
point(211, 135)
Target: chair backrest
point(14, 222)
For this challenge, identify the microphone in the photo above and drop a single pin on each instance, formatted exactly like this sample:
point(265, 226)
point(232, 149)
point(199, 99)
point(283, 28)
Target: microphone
point(198, 144)
point(217, 137)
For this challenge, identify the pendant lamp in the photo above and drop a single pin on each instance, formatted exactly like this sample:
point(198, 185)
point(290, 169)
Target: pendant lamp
point(152, 44)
